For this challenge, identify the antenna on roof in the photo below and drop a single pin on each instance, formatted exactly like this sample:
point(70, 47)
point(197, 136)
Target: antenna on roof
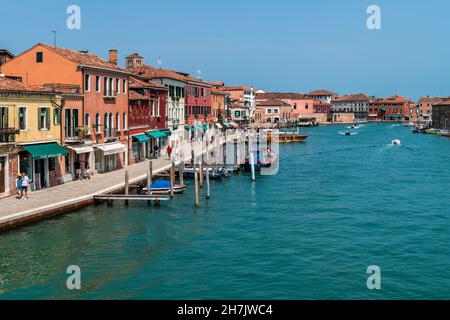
point(54, 37)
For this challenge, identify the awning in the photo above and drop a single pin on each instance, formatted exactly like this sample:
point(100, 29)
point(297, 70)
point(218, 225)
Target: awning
point(218, 125)
point(190, 128)
point(80, 149)
point(199, 127)
point(111, 148)
point(141, 138)
point(158, 134)
point(45, 150)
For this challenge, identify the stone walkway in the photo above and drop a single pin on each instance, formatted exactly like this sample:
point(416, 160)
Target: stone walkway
point(75, 192)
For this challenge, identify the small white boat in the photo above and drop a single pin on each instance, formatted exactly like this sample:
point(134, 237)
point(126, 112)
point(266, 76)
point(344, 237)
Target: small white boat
point(163, 187)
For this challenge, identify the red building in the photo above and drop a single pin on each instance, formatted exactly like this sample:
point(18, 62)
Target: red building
point(394, 108)
point(147, 119)
point(323, 108)
point(198, 100)
point(98, 118)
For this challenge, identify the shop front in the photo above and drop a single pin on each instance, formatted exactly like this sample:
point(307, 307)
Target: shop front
point(158, 142)
point(141, 147)
point(41, 162)
point(110, 156)
point(80, 160)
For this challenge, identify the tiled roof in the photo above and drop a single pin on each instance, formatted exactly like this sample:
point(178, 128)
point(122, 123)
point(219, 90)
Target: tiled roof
point(273, 103)
point(133, 55)
point(149, 72)
point(217, 91)
point(133, 95)
point(10, 85)
point(236, 88)
point(352, 97)
point(280, 95)
point(82, 58)
point(430, 100)
point(322, 93)
point(136, 83)
point(443, 103)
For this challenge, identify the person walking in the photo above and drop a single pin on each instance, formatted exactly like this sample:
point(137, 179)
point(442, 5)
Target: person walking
point(169, 151)
point(19, 186)
point(25, 182)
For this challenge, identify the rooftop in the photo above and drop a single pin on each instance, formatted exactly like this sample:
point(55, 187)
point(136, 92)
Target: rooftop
point(322, 93)
point(9, 85)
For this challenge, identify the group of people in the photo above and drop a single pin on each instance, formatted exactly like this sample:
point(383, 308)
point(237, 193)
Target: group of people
point(22, 185)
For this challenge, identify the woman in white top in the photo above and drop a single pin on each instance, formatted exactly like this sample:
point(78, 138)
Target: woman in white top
point(25, 184)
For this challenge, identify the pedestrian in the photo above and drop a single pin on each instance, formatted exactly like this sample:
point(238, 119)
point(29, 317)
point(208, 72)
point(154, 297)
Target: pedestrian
point(25, 182)
point(169, 151)
point(19, 186)
point(156, 151)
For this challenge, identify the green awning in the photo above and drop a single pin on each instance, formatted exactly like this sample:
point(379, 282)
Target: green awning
point(159, 134)
point(206, 127)
point(141, 138)
point(46, 150)
point(189, 128)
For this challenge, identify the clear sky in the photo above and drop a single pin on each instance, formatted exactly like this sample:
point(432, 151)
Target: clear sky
point(276, 45)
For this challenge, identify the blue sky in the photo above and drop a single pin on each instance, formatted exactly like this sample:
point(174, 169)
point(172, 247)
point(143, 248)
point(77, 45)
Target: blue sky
point(275, 45)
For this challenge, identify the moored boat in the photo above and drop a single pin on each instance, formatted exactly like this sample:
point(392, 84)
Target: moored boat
point(163, 187)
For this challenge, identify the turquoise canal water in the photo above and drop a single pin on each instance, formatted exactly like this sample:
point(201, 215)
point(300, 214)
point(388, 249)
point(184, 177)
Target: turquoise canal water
point(338, 205)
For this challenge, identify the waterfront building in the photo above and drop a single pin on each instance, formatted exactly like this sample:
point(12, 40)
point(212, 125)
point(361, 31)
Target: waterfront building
point(198, 100)
point(441, 115)
point(176, 100)
point(425, 107)
point(101, 127)
point(244, 101)
point(30, 136)
point(273, 111)
point(393, 108)
point(350, 108)
point(302, 106)
point(147, 119)
point(322, 111)
point(323, 96)
point(221, 101)
point(5, 56)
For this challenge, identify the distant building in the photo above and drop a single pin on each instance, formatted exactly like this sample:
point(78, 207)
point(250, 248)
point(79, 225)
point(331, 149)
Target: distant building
point(393, 108)
point(5, 56)
point(324, 96)
point(244, 97)
point(350, 108)
point(273, 111)
point(441, 115)
point(425, 107)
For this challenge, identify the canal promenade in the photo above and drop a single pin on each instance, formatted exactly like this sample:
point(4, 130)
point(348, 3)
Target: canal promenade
point(69, 196)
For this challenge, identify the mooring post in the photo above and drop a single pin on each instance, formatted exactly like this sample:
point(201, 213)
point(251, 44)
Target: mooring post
point(172, 178)
point(149, 179)
point(127, 184)
point(252, 165)
point(182, 174)
point(196, 189)
point(208, 192)
point(200, 169)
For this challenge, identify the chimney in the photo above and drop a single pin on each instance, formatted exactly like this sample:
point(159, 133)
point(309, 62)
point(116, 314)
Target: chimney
point(113, 56)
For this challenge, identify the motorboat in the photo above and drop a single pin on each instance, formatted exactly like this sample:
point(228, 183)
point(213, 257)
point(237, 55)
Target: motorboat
point(163, 187)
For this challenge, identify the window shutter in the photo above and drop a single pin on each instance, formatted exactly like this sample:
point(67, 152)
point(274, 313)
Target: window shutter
point(6, 117)
point(75, 121)
point(39, 118)
point(47, 118)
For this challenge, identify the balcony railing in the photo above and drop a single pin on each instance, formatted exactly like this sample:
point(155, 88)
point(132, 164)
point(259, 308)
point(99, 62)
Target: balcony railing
point(109, 94)
point(8, 135)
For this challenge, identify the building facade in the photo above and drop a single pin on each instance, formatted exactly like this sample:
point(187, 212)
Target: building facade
point(441, 115)
point(30, 136)
point(323, 96)
point(350, 108)
point(102, 126)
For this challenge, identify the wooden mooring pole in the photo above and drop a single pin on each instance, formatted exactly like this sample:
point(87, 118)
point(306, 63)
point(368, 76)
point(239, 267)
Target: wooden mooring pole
point(182, 174)
point(127, 184)
point(208, 191)
point(196, 189)
point(200, 169)
point(252, 165)
point(172, 179)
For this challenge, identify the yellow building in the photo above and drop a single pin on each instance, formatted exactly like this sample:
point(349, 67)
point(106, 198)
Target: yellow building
point(30, 136)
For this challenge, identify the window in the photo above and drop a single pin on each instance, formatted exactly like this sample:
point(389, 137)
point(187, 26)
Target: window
point(97, 83)
point(39, 57)
point(97, 122)
point(118, 121)
point(44, 119)
point(117, 86)
point(105, 86)
point(306, 106)
point(57, 116)
point(124, 86)
point(124, 121)
point(87, 122)
point(87, 86)
point(23, 118)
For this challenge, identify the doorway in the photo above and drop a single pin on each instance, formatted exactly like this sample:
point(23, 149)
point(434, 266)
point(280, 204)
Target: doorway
point(41, 173)
point(3, 174)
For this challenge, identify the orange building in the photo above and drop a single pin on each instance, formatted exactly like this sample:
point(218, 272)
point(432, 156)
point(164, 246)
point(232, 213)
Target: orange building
point(96, 113)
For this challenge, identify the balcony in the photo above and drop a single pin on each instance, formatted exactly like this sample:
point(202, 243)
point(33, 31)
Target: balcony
point(8, 135)
point(109, 94)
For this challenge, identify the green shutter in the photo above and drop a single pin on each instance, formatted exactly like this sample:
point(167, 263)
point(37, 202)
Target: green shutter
point(47, 118)
point(39, 118)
